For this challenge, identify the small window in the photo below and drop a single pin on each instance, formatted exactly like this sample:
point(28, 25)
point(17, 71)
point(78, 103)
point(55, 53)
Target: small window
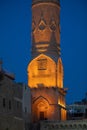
point(86, 112)
point(25, 110)
point(4, 102)
point(9, 104)
point(42, 115)
point(42, 64)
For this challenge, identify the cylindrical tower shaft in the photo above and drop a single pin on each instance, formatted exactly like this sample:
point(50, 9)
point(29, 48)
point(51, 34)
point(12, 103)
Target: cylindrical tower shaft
point(46, 28)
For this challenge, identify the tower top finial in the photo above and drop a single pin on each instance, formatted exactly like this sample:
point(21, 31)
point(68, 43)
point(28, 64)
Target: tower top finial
point(36, 1)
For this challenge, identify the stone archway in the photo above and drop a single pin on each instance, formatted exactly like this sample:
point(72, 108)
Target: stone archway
point(40, 109)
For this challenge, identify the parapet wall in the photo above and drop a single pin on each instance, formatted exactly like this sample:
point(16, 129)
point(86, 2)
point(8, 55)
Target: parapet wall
point(64, 125)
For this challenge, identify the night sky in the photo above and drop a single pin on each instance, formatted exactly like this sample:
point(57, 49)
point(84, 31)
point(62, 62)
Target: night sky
point(15, 42)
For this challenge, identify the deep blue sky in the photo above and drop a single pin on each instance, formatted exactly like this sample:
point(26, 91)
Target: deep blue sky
point(15, 42)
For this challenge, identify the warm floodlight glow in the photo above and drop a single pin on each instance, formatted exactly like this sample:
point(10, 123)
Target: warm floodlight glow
point(42, 70)
point(45, 71)
point(63, 114)
point(42, 45)
point(60, 73)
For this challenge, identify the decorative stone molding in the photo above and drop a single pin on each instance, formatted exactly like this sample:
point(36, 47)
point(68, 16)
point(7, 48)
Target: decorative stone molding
point(52, 24)
point(42, 23)
point(40, 1)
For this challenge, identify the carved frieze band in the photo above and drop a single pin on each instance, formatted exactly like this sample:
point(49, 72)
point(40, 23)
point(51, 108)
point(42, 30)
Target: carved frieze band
point(42, 24)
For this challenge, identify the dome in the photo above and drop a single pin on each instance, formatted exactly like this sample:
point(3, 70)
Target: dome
point(54, 1)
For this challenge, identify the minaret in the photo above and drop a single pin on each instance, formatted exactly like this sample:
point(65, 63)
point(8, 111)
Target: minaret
point(45, 71)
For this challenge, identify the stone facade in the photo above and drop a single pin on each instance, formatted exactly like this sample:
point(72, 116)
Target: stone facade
point(46, 28)
point(10, 103)
point(46, 100)
point(26, 106)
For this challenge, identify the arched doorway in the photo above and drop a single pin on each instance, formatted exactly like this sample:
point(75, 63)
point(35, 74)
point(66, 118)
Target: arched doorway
point(40, 109)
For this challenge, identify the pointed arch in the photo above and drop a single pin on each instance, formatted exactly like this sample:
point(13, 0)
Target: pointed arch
point(42, 70)
point(60, 73)
point(40, 108)
point(41, 99)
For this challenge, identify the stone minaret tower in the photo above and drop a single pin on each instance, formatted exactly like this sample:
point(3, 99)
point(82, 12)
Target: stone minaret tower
point(45, 71)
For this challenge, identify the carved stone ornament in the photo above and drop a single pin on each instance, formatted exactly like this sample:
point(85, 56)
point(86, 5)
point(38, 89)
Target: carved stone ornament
point(52, 24)
point(42, 23)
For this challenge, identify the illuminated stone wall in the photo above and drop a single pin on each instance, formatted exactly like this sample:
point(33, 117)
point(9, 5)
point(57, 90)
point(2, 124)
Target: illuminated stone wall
point(60, 73)
point(45, 70)
point(46, 100)
point(42, 71)
point(46, 29)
